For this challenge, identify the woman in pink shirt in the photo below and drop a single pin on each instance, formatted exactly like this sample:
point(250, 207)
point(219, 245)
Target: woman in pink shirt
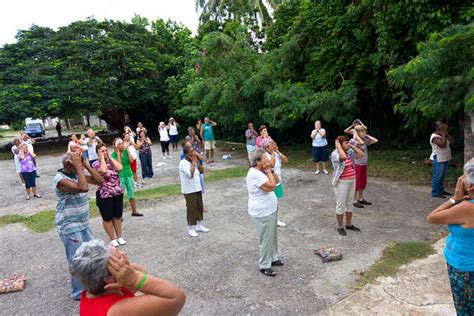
point(342, 159)
point(263, 130)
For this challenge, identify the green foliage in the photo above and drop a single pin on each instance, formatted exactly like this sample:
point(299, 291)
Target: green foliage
point(438, 82)
point(110, 68)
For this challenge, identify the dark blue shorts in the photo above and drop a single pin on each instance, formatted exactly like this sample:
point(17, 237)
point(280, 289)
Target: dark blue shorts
point(320, 154)
point(30, 179)
point(174, 138)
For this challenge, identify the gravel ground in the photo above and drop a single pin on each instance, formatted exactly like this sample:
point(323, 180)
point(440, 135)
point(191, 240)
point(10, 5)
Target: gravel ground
point(219, 271)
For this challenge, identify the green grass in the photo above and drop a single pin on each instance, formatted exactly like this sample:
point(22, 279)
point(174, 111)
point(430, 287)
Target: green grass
point(44, 221)
point(401, 165)
point(393, 257)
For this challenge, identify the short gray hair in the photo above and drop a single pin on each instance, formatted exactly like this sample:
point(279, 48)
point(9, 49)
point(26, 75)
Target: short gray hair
point(255, 156)
point(469, 171)
point(89, 265)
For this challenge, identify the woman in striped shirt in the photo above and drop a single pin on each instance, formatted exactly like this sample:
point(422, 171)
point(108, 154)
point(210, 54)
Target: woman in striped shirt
point(343, 181)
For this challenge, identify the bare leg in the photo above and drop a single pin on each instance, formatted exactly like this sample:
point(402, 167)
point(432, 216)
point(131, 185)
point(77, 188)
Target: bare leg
point(317, 166)
point(27, 192)
point(133, 206)
point(348, 219)
point(117, 224)
point(34, 190)
point(109, 229)
point(21, 178)
point(135, 177)
point(340, 218)
point(212, 155)
point(359, 195)
point(207, 155)
point(324, 165)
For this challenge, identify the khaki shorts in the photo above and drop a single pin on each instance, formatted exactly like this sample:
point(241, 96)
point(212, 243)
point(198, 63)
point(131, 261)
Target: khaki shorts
point(209, 144)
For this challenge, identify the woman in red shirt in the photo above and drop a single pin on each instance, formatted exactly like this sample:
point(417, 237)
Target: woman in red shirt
point(110, 282)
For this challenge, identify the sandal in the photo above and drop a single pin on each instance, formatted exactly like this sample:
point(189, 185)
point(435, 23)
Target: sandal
point(268, 272)
point(37, 196)
point(278, 263)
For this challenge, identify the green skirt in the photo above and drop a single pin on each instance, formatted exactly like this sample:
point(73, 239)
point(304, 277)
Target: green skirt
point(279, 191)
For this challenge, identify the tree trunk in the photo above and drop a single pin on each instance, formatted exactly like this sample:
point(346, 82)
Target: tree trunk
point(88, 118)
point(468, 136)
point(114, 117)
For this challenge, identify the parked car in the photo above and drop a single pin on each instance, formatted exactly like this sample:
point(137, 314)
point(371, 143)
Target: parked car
point(35, 130)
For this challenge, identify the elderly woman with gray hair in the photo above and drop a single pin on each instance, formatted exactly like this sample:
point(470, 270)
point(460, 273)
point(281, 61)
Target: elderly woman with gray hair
point(110, 282)
point(263, 209)
point(458, 213)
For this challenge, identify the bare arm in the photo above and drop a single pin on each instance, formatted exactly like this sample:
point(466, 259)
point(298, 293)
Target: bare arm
point(314, 133)
point(440, 141)
point(148, 141)
point(117, 165)
point(103, 166)
point(95, 177)
point(372, 139)
point(447, 213)
point(348, 129)
point(358, 151)
point(270, 185)
point(213, 123)
point(322, 132)
point(284, 159)
point(70, 186)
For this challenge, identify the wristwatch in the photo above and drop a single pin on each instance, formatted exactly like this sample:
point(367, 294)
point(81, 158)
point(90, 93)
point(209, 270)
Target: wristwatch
point(453, 201)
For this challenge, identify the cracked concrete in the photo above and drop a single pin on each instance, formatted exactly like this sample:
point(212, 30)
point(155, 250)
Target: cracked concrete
point(419, 288)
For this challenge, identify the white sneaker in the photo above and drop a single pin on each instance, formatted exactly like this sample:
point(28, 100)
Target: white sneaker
point(170, 157)
point(317, 172)
point(325, 171)
point(164, 157)
point(121, 241)
point(201, 228)
point(192, 233)
point(114, 243)
point(281, 224)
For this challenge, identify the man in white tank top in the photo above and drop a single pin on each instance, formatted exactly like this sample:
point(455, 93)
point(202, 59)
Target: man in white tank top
point(440, 142)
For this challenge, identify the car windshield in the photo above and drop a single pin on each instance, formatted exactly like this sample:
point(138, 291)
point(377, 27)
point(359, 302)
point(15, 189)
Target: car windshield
point(34, 125)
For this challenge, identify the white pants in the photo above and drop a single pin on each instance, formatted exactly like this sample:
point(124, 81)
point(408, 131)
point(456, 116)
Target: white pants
point(344, 191)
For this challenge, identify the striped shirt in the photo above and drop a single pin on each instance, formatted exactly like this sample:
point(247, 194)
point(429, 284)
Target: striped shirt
point(72, 209)
point(349, 171)
point(339, 165)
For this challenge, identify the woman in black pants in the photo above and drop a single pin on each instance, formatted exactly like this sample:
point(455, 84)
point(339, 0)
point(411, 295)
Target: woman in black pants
point(144, 153)
point(109, 195)
point(164, 140)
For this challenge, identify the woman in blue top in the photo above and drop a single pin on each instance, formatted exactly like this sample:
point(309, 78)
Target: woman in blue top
point(458, 213)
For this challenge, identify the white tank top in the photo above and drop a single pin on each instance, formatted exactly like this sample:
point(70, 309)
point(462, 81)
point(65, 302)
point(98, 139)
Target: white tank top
point(164, 134)
point(442, 154)
point(173, 129)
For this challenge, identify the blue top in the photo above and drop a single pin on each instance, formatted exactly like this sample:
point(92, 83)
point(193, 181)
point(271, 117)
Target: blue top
point(208, 133)
point(459, 250)
point(320, 141)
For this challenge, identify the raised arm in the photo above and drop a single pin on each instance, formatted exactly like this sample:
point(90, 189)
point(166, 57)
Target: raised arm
point(372, 139)
point(95, 177)
point(314, 133)
point(270, 185)
point(70, 186)
point(340, 151)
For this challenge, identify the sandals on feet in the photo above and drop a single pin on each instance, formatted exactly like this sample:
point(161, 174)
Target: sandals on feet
point(37, 196)
point(278, 263)
point(268, 272)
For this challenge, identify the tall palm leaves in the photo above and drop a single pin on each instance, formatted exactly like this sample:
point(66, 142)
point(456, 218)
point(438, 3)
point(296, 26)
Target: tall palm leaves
point(261, 9)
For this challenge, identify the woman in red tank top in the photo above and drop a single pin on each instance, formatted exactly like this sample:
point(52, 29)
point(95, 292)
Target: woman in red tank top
point(110, 282)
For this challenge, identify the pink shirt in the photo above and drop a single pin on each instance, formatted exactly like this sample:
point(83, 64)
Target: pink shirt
point(111, 185)
point(349, 172)
point(260, 140)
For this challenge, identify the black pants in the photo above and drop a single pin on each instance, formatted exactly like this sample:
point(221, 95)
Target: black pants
point(165, 147)
point(111, 207)
point(147, 165)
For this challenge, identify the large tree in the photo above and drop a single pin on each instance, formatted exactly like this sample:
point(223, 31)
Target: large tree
point(439, 82)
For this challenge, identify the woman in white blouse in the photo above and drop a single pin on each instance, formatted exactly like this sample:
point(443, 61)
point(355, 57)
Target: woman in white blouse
point(262, 208)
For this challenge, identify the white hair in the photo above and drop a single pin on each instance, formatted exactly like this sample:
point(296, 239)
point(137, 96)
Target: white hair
point(469, 171)
point(89, 265)
point(255, 156)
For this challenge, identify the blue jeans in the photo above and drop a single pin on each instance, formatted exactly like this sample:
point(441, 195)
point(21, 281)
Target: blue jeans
point(437, 179)
point(147, 166)
point(71, 243)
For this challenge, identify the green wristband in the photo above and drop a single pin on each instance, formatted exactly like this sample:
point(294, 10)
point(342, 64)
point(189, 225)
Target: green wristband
point(142, 282)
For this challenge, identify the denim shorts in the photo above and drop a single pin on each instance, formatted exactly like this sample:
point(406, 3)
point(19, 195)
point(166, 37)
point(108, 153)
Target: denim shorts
point(320, 154)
